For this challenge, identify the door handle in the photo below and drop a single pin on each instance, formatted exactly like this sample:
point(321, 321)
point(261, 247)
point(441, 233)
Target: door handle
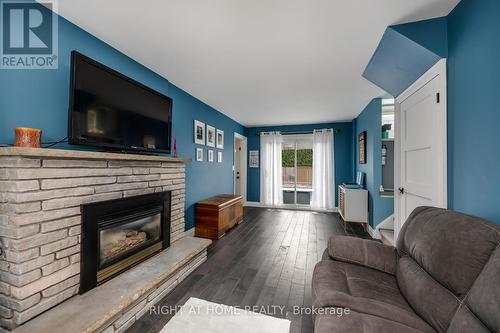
point(238, 177)
point(401, 190)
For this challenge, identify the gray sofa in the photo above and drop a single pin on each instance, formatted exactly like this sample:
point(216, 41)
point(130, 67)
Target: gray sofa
point(444, 276)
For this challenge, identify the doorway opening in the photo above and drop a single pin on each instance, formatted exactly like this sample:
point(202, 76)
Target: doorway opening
point(297, 166)
point(388, 130)
point(240, 165)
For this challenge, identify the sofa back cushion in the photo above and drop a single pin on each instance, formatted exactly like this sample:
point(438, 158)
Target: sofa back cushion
point(430, 300)
point(480, 309)
point(442, 254)
point(482, 303)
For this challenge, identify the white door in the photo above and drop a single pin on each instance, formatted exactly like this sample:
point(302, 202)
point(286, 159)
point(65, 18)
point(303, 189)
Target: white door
point(237, 166)
point(240, 170)
point(421, 140)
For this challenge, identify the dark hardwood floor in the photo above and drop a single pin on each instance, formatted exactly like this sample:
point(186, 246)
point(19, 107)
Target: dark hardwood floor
point(266, 260)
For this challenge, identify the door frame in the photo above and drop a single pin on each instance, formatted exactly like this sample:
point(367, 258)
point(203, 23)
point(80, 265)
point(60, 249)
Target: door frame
point(296, 138)
point(243, 175)
point(439, 69)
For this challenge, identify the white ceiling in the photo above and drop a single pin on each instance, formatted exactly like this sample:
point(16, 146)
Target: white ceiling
point(260, 62)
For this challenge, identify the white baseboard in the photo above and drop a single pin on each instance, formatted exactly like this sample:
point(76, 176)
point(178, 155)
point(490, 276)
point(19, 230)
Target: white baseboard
point(258, 204)
point(252, 204)
point(189, 232)
point(373, 232)
point(388, 223)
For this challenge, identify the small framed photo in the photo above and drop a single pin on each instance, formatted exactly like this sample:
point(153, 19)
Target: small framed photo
point(254, 159)
point(210, 155)
point(210, 136)
point(219, 157)
point(199, 132)
point(220, 139)
point(199, 154)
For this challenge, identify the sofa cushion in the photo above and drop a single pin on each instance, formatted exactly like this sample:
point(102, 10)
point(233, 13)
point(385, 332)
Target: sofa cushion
point(364, 290)
point(465, 321)
point(359, 323)
point(483, 299)
point(433, 302)
point(452, 247)
point(325, 255)
point(365, 252)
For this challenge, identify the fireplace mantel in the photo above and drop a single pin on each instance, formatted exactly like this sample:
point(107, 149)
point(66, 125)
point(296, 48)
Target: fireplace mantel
point(86, 155)
point(41, 193)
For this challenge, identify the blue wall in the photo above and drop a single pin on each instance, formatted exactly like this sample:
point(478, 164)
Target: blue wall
point(398, 61)
point(343, 151)
point(431, 34)
point(370, 120)
point(39, 98)
point(470, 35)
point(203, 179)
point(474, 108)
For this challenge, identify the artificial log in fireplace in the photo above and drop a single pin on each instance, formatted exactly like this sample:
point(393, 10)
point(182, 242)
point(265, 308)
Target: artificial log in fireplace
point(119, 234)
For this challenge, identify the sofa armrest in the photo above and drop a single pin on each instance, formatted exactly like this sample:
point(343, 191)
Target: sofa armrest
point(363, 252)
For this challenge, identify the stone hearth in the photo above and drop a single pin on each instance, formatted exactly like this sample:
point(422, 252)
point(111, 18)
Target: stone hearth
point(116, 305)
point(41, 191)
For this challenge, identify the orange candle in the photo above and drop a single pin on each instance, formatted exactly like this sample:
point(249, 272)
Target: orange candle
point(28, 137)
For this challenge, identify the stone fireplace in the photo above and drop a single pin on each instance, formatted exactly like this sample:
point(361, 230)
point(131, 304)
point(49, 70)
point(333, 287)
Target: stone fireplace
point(47, 196)
point(118, 234)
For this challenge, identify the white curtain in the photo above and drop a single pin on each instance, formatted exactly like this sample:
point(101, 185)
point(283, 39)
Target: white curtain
point(323, 182)
point(271, 192)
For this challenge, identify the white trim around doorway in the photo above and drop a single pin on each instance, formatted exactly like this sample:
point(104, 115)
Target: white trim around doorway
point(439, 69)
point(244, 164)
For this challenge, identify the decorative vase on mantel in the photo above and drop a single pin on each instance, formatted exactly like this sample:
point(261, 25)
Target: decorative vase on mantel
point(27, 137)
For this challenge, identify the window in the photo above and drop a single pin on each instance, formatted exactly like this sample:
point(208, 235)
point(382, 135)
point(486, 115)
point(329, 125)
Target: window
point(297, 161)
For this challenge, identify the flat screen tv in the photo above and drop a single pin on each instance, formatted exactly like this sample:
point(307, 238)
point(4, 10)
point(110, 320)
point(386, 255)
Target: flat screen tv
point(109, 110)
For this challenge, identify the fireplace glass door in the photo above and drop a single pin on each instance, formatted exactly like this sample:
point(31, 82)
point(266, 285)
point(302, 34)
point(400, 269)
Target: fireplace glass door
point(120, 234)
point(117, 239)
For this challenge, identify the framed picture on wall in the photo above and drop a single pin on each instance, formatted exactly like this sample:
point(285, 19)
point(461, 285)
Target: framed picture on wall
point(220, 139)
point(362, 147)
point(199, 132)
point(219, 157)
point(253, 161)
point(210, 136)
point(199, 154)
point(210, 155)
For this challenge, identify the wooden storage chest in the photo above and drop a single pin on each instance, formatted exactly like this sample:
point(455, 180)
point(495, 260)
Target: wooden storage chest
point(216, 215)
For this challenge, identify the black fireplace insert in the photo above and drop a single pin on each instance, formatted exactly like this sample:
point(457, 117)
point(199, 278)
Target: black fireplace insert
point(119, 234)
